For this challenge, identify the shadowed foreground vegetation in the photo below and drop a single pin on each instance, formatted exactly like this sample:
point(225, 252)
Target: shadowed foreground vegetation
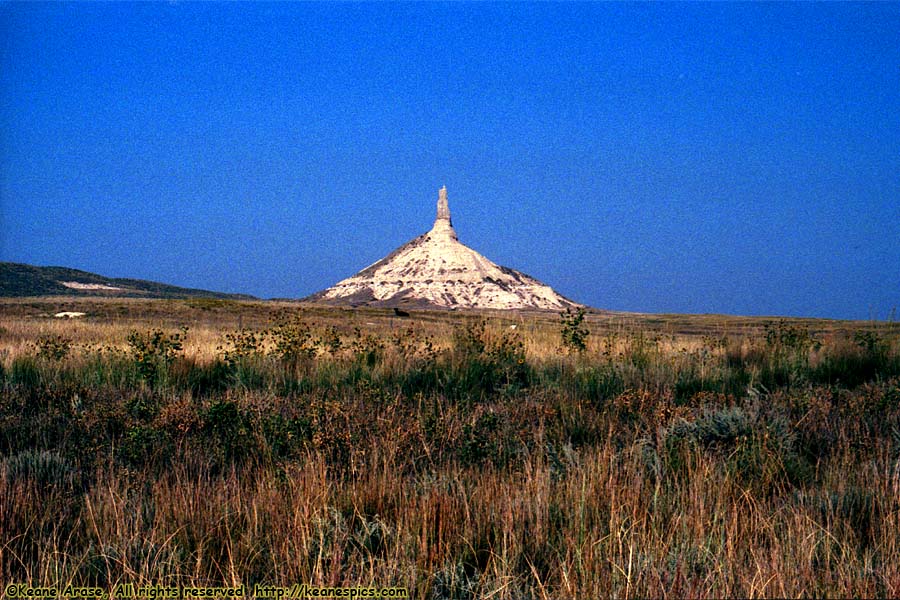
point(456, 456)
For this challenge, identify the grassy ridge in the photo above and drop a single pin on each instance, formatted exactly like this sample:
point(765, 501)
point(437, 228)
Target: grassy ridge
point(21, 280)
point(453, 455)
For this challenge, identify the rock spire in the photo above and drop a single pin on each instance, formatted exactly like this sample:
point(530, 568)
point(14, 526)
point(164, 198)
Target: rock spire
point(437, 270)
point(443, 226)
point(443, 209)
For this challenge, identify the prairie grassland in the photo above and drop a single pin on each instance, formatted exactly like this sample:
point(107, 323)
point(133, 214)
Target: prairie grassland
point(457, 455)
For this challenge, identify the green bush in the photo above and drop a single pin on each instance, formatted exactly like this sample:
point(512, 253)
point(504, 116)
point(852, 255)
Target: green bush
point(487, 439)
point(245, 344)
point(285, 435)
point(368, 349)
point(154, 351)
point(145, 445)
point(483, 366)
point(574, 334)
point(54, 348)
point(143, 405)
point(331, 341)
point(228, 429)
point(788, 350)
point(245, 361)
point(294, 342)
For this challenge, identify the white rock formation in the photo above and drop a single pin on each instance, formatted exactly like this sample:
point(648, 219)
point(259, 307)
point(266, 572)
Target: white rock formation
point(436, 270)
point(88, 286)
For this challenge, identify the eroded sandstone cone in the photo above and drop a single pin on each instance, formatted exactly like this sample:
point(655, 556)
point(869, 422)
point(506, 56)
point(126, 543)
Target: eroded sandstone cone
point(436, 270)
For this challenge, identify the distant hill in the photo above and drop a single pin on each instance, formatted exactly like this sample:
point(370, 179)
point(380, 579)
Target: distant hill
point(18, 280)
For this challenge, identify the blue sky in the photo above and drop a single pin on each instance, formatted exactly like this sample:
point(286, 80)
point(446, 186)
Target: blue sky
point(726, 158)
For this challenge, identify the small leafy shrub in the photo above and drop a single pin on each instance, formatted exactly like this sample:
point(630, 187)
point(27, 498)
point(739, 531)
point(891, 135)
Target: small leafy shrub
point(331, 341)
point(367, 349)
point(244, 359)
point(574, 334)
point(294, 342)
point(245, 344)
point(507, 353)
point(781, 338)
point(285, 435)
point(872, 344)
point(485, 365)
point(470, 340)
point(487, 439)
point(143, 405)
point(54, 347)
point(422, 372)
point(413, 348)
point(788, 348)
point(154, 351)
point(143, 445)
point(228, 429)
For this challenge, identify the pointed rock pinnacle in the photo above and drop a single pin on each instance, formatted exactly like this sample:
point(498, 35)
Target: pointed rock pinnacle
point(443, 209)
point(442, 224)
point(437, 270)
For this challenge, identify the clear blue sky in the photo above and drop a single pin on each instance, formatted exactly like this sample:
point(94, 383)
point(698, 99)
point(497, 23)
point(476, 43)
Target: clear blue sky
point(730, 158)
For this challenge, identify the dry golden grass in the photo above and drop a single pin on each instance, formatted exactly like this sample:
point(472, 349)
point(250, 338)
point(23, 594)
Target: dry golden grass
point(675, 457)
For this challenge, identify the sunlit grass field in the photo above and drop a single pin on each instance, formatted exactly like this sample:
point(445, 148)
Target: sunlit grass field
point(456, 454)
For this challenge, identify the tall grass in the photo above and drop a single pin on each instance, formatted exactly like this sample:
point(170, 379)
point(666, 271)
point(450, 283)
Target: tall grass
point(460, 460)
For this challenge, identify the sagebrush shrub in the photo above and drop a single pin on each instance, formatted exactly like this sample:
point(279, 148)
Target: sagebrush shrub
point(44, 469)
